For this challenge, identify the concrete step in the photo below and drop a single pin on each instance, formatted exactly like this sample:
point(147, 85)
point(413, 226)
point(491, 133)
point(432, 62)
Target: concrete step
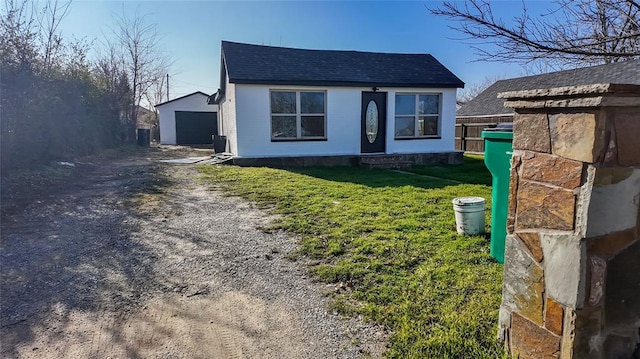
point(384, 161)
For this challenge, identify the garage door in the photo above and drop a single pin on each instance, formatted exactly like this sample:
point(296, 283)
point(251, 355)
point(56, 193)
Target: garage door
point(195, 128)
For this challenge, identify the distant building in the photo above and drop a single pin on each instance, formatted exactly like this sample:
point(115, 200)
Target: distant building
point(188, 120)
point(487, 108)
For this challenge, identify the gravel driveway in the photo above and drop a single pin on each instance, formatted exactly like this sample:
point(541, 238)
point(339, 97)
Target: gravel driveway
point(134, 258)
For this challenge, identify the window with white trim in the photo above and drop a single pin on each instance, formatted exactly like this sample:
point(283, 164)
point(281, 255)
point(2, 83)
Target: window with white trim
point(298, 115)
point(417, 115)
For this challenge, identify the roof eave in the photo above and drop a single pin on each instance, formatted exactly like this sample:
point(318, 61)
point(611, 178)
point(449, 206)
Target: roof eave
point(344, 83)
point(181, 97)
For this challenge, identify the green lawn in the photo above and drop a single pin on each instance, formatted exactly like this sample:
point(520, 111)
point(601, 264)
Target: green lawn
point(390, 239)
point(473, 171)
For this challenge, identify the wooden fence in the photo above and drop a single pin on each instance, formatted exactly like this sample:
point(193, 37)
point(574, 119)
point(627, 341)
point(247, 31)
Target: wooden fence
point(468, 136)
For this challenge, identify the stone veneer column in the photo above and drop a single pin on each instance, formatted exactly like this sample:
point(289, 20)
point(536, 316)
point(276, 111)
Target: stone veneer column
point(572, 265)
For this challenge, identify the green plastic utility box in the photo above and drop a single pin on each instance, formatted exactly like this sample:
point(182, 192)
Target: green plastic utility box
point(498, 148)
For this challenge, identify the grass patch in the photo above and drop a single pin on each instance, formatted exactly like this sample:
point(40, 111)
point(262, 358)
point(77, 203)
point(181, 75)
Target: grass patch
point(146, 203)
point(472, 170)
point(149, 193)
point(390, 239)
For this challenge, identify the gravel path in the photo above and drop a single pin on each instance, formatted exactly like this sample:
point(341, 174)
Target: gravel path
point(137, 259)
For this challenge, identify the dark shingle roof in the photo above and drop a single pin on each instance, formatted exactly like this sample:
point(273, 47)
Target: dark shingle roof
point(254, 64)
point(487, 102)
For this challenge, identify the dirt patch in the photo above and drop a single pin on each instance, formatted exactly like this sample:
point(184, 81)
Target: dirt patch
point(136, 258)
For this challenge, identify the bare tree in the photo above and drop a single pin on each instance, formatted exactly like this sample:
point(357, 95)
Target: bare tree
point(142, 58)
point(111, 76)
point(575, 31)
point(156, 94)
point(31, 37)
point(108, 67)
point(472, 90)
point(18, 35)
point(49, 19)
point(53, 106)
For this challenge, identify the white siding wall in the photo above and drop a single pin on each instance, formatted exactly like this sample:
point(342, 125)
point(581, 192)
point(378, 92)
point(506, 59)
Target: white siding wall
point(343, 123)
point(196, 102)
point(446, 143)
point(254, 124)
point(227, 123)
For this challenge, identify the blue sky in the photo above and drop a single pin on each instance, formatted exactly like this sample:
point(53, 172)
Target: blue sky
point(192, 30)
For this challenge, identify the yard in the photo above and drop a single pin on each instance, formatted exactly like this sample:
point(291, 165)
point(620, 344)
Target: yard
point(120, 255)
point(387, 242)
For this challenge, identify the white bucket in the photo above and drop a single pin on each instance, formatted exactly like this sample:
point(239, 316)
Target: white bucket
point(469, 215)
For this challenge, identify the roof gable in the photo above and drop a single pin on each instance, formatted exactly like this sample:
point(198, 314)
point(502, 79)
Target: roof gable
point(182, 97)
point(255, 64)
point(487, 102)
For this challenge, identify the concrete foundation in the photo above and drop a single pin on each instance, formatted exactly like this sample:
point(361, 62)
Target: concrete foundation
point(440, 158)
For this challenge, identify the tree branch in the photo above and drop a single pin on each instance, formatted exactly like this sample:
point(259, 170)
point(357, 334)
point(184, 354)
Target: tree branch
point(593, 32)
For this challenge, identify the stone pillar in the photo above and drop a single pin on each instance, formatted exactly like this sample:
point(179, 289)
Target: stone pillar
point(572, 264)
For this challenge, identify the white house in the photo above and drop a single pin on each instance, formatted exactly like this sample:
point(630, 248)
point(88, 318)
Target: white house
point(188, 120)
point(288, 103)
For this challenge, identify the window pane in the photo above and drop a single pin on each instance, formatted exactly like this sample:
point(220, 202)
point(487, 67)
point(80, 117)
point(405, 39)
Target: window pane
point(312, 126)
point(312, 102)
point(428, 104)
point(404, 126)
point(283, 127)
point(283, 102)
point(405, 104)
point(428, 125)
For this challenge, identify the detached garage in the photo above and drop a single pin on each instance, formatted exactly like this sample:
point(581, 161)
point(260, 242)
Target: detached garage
point(188, 120)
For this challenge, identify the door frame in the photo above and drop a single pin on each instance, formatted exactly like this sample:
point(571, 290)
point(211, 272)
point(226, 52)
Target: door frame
point(380, 144)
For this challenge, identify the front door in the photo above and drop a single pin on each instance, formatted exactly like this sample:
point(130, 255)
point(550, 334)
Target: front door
point(374, 122)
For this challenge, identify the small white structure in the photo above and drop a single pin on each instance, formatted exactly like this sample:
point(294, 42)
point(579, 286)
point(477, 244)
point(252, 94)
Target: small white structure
point(188, 120)
point(280, 102)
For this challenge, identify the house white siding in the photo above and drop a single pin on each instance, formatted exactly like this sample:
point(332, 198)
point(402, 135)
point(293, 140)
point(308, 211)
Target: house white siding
point(254, 124)
point(196, 102)
point(227, 119)
point(445, 143)
point(343, 123)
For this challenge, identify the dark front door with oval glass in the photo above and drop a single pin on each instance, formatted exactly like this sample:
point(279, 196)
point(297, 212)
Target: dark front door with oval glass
point(374, 122)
